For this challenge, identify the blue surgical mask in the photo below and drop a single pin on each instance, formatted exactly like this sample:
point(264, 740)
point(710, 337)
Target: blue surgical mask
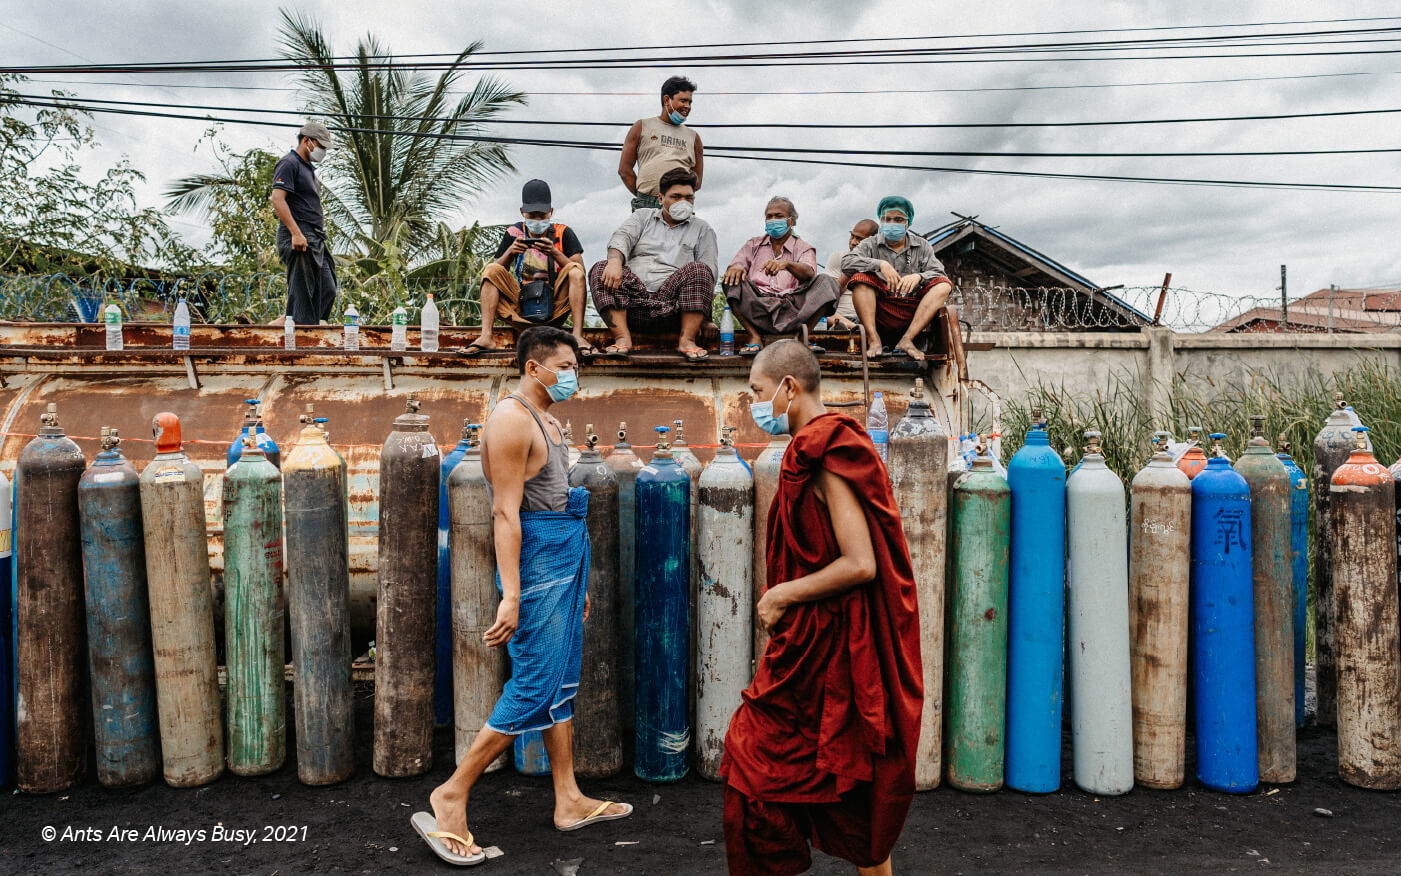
point(892, 231)
point(537, 227)
point(677, 118)
point(762, 412)
point(776, 228)
point(566, 384)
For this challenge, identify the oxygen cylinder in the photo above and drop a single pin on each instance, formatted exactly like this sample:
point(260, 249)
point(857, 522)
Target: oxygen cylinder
point(1223, 634)
point(253, 424)
point(626, 465)
point(598, 740)
point(1274, 605)
point(442, 636)
point(478, 672)
point(1160, 544)
point(1368, 620)
point(123, 671)
point(1330, 450)
point(918, 457)
point(1101, 705)
point(1299, 567)
point(766, 469)
point(724, 634)
point(50, 737)
point(569, 439)
point(253, 615)
point(1193, 462)
point(318, 606)
point(688, 461)
point(7, 638)
point(662, 625)
point(182, 611)
point(409, 468)
point(1036, 613)
point(980, 523)
point(530, 755)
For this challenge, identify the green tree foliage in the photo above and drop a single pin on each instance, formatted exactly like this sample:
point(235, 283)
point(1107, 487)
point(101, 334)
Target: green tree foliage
point(233, 199)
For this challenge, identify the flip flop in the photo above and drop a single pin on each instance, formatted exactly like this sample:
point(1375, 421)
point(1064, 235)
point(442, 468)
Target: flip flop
point(427, 827)
point(613, 351)
point(695, 355)
point(817, 348)
point(472, 351)
point(596, 816)
point(750, 349)
point(588, 352)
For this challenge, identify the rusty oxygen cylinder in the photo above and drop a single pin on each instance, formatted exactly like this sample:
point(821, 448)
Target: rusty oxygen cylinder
point(182, 611)
point(1330, 449)
point(478, 671)
point(766, 469)
point(1368, 620)
point(126, 731)
point(598, 742)
point(50, 732)
point(408, 579)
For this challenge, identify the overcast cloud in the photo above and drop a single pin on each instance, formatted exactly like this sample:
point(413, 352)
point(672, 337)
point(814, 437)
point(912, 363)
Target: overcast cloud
point(1229, 240)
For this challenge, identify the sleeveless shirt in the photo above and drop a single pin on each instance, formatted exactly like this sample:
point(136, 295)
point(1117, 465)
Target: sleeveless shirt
point(549, 489)
point(661, 147)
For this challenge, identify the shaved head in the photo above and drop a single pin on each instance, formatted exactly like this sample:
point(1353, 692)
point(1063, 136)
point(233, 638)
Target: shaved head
point(788, 358)
point(866, 227)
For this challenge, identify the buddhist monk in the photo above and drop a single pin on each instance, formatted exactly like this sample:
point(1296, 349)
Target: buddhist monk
point(821, 751)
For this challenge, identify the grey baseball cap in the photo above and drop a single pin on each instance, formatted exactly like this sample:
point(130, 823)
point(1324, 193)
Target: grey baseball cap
point(318, 132)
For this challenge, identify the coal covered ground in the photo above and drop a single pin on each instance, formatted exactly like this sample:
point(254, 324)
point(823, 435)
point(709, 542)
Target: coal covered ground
point(362, 826)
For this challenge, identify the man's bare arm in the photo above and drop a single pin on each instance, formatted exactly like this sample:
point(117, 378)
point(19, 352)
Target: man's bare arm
point(700, 163)
point(627, 172)
point(508, 441)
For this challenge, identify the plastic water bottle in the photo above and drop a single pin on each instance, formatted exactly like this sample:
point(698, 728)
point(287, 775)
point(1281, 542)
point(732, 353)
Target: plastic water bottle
point(180, 334)
point(399, 333)
point(822, 324)
point(352, 328)
point(289, 333)
point(428, 326)
point(878, 426)
point(112, 316)
point(956, 460)
point(727, 333)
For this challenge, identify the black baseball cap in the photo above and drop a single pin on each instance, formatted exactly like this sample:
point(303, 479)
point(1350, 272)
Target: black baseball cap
point(535, 196)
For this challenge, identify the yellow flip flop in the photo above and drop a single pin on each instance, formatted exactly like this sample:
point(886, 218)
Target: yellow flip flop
point(427, 827)
point(597, 816)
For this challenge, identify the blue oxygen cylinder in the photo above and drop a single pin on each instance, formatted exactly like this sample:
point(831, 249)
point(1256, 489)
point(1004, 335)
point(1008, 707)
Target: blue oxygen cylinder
point(1223, 630)
point(253, 420)
point(1299, 541)
point(442, 651)
point(1036, 614)
point(531, 758)
point(662, 621)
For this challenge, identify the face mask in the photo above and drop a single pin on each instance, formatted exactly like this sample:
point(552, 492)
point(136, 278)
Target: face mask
point(677, 118)
point(566, 384)
point(892, 231)
point(537, 227)
point(776, 227)
point(680, 211)
point(318, 153)
point(762, 412)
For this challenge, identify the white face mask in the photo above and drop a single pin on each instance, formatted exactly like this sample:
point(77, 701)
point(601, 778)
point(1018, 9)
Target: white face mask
point(318, 153)
point(680, 211)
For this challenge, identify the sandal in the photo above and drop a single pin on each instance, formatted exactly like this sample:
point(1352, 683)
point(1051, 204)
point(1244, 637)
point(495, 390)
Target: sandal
point(613, 351)
point(473, 350)
point(750, 349)
point(597, 815)
point(588, 352)
point(427, 827)
point(699, 355)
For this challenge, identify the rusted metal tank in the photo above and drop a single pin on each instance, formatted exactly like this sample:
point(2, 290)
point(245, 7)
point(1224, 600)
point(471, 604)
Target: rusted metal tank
point(318, 607)
point(1194, 460)
point(51, 705)
point(1101, 705)
point(1362, 506)
point(766, 469)
point(1160, 530)
point(598, 711)
point(442, 630)
point(182, 614)
point(253, 615)
point(1274, 605)
point(126, 732)
point(478, 672)
point(918, 459)
point(408, 576)
point(1330, 449)
point(722, 621)
point(626, 464)
point(1299, 566)
point(7, 638)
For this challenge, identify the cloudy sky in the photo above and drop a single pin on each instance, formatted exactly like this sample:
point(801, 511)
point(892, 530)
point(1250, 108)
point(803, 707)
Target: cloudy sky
point(1218, 239)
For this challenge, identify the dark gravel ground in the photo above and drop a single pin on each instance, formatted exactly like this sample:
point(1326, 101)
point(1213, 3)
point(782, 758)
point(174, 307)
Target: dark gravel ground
point(362, 827)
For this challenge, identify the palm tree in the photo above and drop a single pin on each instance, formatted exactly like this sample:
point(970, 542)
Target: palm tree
point(391, 189)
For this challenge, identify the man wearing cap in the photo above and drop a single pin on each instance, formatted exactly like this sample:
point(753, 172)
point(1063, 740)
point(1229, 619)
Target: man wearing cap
point(898, 284)
point(660, 143)
point(537, 277)
point(301, 236)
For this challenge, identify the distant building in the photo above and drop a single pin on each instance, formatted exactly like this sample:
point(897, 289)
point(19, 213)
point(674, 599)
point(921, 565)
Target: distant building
point(1342, 310)
point(1001, 284)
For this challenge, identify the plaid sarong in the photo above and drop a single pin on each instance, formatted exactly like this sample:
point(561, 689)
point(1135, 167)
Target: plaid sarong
point(547, 649)
point(689, 290)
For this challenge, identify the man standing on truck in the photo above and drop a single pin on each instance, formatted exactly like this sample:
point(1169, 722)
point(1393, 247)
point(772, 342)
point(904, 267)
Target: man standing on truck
point(660, 143)
point(301, 236)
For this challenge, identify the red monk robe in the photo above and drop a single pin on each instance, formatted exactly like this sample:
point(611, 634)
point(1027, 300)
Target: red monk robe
point(822, 749)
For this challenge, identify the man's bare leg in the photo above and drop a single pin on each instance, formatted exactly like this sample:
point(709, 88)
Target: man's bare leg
point(924, 314)
point(576, 305)
point(617, 320)
point(690, 325)
point(881, 869)
point(570, 803)
point(863, 298)
point(449, 800)
point(490, 297)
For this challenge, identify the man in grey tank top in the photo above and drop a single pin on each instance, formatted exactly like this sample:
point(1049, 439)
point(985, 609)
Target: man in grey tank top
point(659, 143)
point(542, 559)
